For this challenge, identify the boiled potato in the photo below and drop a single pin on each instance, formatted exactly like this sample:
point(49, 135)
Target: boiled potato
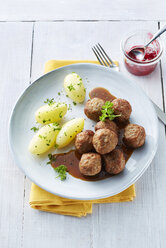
point(74, 87)
point(69, 131)
point(44, 139)
point(50, 113)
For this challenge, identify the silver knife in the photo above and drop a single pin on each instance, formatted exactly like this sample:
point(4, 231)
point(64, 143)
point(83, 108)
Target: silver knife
point(161, 115)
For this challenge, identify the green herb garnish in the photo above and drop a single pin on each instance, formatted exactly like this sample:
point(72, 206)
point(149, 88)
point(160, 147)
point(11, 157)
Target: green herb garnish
point(71, 87)
point(56, 126)
point(35, 129)
point(107, 111)
point(56, 129)
point(69, 108)
point(59, 93)
point(56, 146)
point(51, 158)
point(75, 103)
point(49, 101)
point(61, 170)
point(60, 114)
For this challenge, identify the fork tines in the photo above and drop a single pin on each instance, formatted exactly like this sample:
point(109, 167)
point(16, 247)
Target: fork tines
point(102, 56)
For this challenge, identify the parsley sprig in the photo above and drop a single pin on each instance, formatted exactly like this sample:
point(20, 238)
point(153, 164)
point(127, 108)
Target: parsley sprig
point(56, 146)
point(35, 129)
point(108, 111)
point(71, 87)
point(49, 101)
point(56, 126)
point(61, 170)
point(51, 158)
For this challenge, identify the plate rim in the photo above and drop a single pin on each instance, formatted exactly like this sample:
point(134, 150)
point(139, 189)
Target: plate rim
point(134, 179)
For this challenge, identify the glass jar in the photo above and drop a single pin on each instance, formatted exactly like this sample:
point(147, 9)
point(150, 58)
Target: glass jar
point(152, 53)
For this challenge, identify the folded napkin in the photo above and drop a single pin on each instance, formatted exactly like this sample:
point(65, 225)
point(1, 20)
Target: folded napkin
point(45, 201)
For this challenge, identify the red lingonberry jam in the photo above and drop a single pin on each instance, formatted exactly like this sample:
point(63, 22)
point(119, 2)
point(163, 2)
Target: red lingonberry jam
point(150, 54)
point(142, 68)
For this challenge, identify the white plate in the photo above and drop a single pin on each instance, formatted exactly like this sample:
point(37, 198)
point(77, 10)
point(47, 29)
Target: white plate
point(48, 86)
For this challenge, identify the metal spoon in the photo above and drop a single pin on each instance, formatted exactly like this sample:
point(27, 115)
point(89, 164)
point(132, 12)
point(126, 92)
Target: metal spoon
point(138, 53)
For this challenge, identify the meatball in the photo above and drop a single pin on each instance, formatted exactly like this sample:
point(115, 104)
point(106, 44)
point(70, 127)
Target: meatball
point(111, 125)
point(134, 135)
point(83, 141)
point(122, 107)
point(90, 164)
point(114, 161)
point(93, 108)
point(104, 140)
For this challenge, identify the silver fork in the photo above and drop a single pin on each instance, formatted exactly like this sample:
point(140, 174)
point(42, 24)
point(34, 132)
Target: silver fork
point(103, 57)
point(105, 60)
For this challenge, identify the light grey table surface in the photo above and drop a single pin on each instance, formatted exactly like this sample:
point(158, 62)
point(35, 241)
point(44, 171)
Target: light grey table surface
point(32, 32)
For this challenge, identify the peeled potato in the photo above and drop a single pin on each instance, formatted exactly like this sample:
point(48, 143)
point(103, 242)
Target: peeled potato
point(74, 87)
point(69, 131)
point(50, 113)
point(44, 139)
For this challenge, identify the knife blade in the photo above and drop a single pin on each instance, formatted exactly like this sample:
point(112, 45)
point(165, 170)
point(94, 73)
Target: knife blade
point(161, 115)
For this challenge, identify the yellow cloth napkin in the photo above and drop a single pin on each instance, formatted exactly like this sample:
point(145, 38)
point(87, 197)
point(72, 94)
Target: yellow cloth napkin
point(45, 201)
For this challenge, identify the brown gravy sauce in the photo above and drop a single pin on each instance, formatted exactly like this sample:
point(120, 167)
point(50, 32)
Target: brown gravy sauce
point(101, 93)
point(71, 159)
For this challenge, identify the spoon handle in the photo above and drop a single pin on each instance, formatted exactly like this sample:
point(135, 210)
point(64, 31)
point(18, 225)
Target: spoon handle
point(157, 34)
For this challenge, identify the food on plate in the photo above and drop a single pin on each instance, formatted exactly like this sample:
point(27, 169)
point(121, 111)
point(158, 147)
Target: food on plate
point(35, 129)
point(104, 141)
point(44, 139)
point(98, 154)
point(90, 164)
point(102, 93)
point(68, 132)
point(108, 112)
point(134, 135)
point(61, 170)
point(123, 108)
point(93, 108)
point(114, 161)
point(74, 87)
point(51, 112)
point(83, 141)
point(108, 124)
